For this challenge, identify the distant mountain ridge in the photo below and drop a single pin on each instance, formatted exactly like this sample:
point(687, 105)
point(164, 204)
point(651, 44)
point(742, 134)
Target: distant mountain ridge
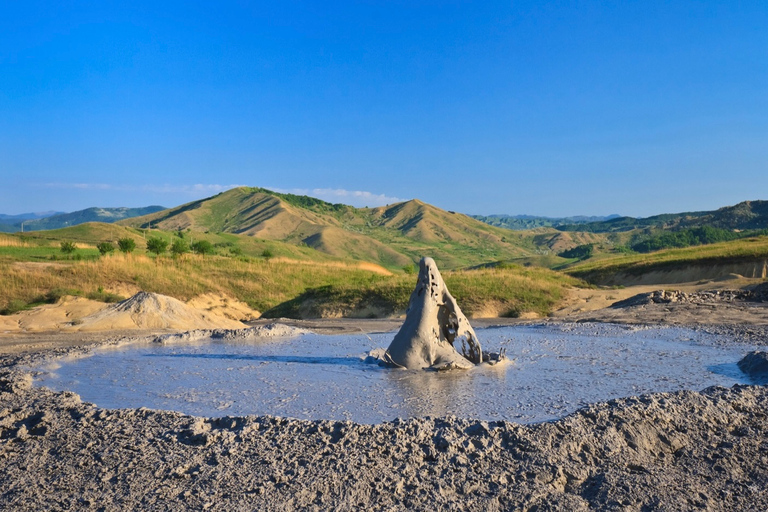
point(747, 215)
point(27, 216)
point(61, 220)
point(524, 222)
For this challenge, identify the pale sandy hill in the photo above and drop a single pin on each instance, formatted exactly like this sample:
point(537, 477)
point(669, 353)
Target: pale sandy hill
point(142, 311)
point(154, 311)
point(50, 317)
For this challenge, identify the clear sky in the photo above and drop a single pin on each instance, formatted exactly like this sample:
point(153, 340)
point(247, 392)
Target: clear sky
point(546, 108)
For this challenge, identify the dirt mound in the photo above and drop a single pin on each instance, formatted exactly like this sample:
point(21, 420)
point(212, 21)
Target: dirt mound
point(153, 311)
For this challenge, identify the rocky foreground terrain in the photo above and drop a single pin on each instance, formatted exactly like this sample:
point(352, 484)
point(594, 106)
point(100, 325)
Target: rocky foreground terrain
point(678, 451)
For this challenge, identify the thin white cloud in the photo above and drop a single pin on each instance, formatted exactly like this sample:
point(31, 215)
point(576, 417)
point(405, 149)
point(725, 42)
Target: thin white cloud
point(195, 189)
point(357, 198)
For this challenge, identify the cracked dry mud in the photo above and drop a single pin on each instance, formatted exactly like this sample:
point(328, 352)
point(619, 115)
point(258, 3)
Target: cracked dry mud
point(669, 451)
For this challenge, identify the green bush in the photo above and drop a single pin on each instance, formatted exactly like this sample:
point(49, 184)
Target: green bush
point(102, 296)
point(202, 247)
point(68, 247)
point(179, 247)
point(267, 254)
point(105, 248)
point(126, 245)
point(157, 245)
point(14, 306)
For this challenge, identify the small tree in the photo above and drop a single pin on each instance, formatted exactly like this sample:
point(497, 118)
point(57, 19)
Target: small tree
point(202, 247)
point(267, 254)
point(68, 247)
point(126, 245)
point(179, 247)
point(105, 248)
point(157, 245)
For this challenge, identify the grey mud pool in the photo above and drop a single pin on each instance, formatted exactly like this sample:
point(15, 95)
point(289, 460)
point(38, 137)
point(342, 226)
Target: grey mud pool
point(553, 371)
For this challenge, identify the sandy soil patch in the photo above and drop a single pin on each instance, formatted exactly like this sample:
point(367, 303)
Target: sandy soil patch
point(143, 311)
point(226, 306)
point(51, 317)
point(581, 300)
point(153, 311)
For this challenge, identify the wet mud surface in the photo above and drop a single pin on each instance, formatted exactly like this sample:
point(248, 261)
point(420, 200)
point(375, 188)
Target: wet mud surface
point(555, 369)
point(686, 450)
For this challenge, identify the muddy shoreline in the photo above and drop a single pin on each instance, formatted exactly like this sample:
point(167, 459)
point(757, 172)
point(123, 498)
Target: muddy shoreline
point(676, 451)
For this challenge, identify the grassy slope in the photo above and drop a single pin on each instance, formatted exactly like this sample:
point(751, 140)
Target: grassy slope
point(749, 249)
point(509, 291)
point(33, 267)
point(41, 245)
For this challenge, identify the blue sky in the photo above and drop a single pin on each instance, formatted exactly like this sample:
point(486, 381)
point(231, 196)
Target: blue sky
point(546, 108)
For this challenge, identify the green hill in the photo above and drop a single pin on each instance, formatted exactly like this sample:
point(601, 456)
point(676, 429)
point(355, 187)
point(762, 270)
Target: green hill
point(747, 215)
point(393, 235)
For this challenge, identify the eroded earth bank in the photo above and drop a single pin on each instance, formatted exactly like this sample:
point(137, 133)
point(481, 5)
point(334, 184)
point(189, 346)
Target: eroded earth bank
point(678, 451)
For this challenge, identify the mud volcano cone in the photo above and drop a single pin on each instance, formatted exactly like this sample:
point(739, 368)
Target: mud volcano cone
point(433, 324)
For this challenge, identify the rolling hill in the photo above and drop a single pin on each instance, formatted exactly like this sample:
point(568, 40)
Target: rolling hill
point(393, 235)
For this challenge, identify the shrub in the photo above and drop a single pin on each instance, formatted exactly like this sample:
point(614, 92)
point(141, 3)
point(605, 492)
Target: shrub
point(126, 245)
point(68, 247)
point(14, 306)
point(267, 253)
point(202, 247)
point(157, 245)
point(105, 248)
point(179, 247)
point(102, 296)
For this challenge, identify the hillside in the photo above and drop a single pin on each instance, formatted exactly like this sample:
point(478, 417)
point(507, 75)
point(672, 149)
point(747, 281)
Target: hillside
point(525, 222)
point(747, 215)
point(746, 258)
point(11, 224)
point(393, 235)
